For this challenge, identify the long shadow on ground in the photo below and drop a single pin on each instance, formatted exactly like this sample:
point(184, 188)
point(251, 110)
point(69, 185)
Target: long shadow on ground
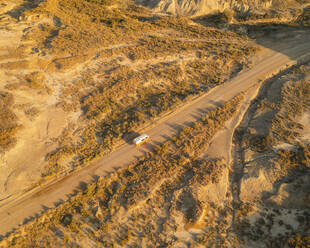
point(28, 5)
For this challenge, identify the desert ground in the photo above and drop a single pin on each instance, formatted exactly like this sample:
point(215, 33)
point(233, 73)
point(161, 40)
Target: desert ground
point(223, 95)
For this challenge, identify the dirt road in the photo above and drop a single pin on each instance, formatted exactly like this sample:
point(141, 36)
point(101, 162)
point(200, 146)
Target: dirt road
point(14, 213)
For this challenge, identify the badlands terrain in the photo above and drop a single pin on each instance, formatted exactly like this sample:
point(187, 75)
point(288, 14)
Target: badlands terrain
point(221, 87)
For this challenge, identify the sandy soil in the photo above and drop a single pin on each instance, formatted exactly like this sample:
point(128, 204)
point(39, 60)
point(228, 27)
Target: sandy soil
point(273, 187)
point(34, 143)
point(13, 214)
point(23, 163)
point(20, 167)
point(305, 121)
point(220, 145)
point(17, 58)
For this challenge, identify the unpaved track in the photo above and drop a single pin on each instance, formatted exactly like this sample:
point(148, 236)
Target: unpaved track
point(14, 212)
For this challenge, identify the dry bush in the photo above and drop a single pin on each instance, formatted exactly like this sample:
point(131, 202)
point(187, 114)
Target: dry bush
point(274, 120)
point(144, 189)
point(8, 122)
point(34, 81)
point(295, 101)
point(292, 162)
point(31, 113)
point(304, 17)
point(84, 25)
point(299, 241)
point(275, 116)
point(115, 119)
point(117, 97)
point(121, 103)
point(166, 62)
point(16, 65)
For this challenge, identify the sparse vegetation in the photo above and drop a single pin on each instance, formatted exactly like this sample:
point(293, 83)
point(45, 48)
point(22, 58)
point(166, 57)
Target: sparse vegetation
point(152, 83)
point(299, 241)
point(33, 81)
point(8, 122)
point(83, 76)
point(278, 149)
point(149, 193)
point(118, 63)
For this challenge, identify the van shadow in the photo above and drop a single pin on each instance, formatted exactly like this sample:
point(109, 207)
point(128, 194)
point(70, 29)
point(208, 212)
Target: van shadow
point(128, 137)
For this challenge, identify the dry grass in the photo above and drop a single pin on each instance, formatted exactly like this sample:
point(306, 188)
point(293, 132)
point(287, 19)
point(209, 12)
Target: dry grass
point(33, 81)
point(84, 25)
point(143, 202)
point(284, 125)
point(119, 64)
point(124, 96)
point(8, 122)
point(277, 160)
point(299, 241)
point(122, 66)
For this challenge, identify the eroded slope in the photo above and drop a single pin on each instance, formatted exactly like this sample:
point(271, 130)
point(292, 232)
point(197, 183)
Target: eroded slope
point(84, 74)
point(162, 199)
point(272, 164)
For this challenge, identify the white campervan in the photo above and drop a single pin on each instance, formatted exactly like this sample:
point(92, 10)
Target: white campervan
point(141, 139)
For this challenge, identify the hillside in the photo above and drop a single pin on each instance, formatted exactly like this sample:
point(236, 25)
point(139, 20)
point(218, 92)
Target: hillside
point(228, 161)
point(272, 163)
point(283, 9)
point(174, 197)
point(80, 81)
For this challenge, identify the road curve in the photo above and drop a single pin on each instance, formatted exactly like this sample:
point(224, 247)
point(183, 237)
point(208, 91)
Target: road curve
point(15, 212)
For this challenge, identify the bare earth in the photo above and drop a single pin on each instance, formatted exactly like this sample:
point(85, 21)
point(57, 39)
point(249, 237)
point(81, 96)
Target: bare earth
point(21, 166)
point(16, 211)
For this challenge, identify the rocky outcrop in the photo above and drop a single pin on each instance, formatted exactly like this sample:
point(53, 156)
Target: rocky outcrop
point(201, 7)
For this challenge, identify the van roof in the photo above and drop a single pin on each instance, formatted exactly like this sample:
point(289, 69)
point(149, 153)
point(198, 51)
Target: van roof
point(140, 137)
